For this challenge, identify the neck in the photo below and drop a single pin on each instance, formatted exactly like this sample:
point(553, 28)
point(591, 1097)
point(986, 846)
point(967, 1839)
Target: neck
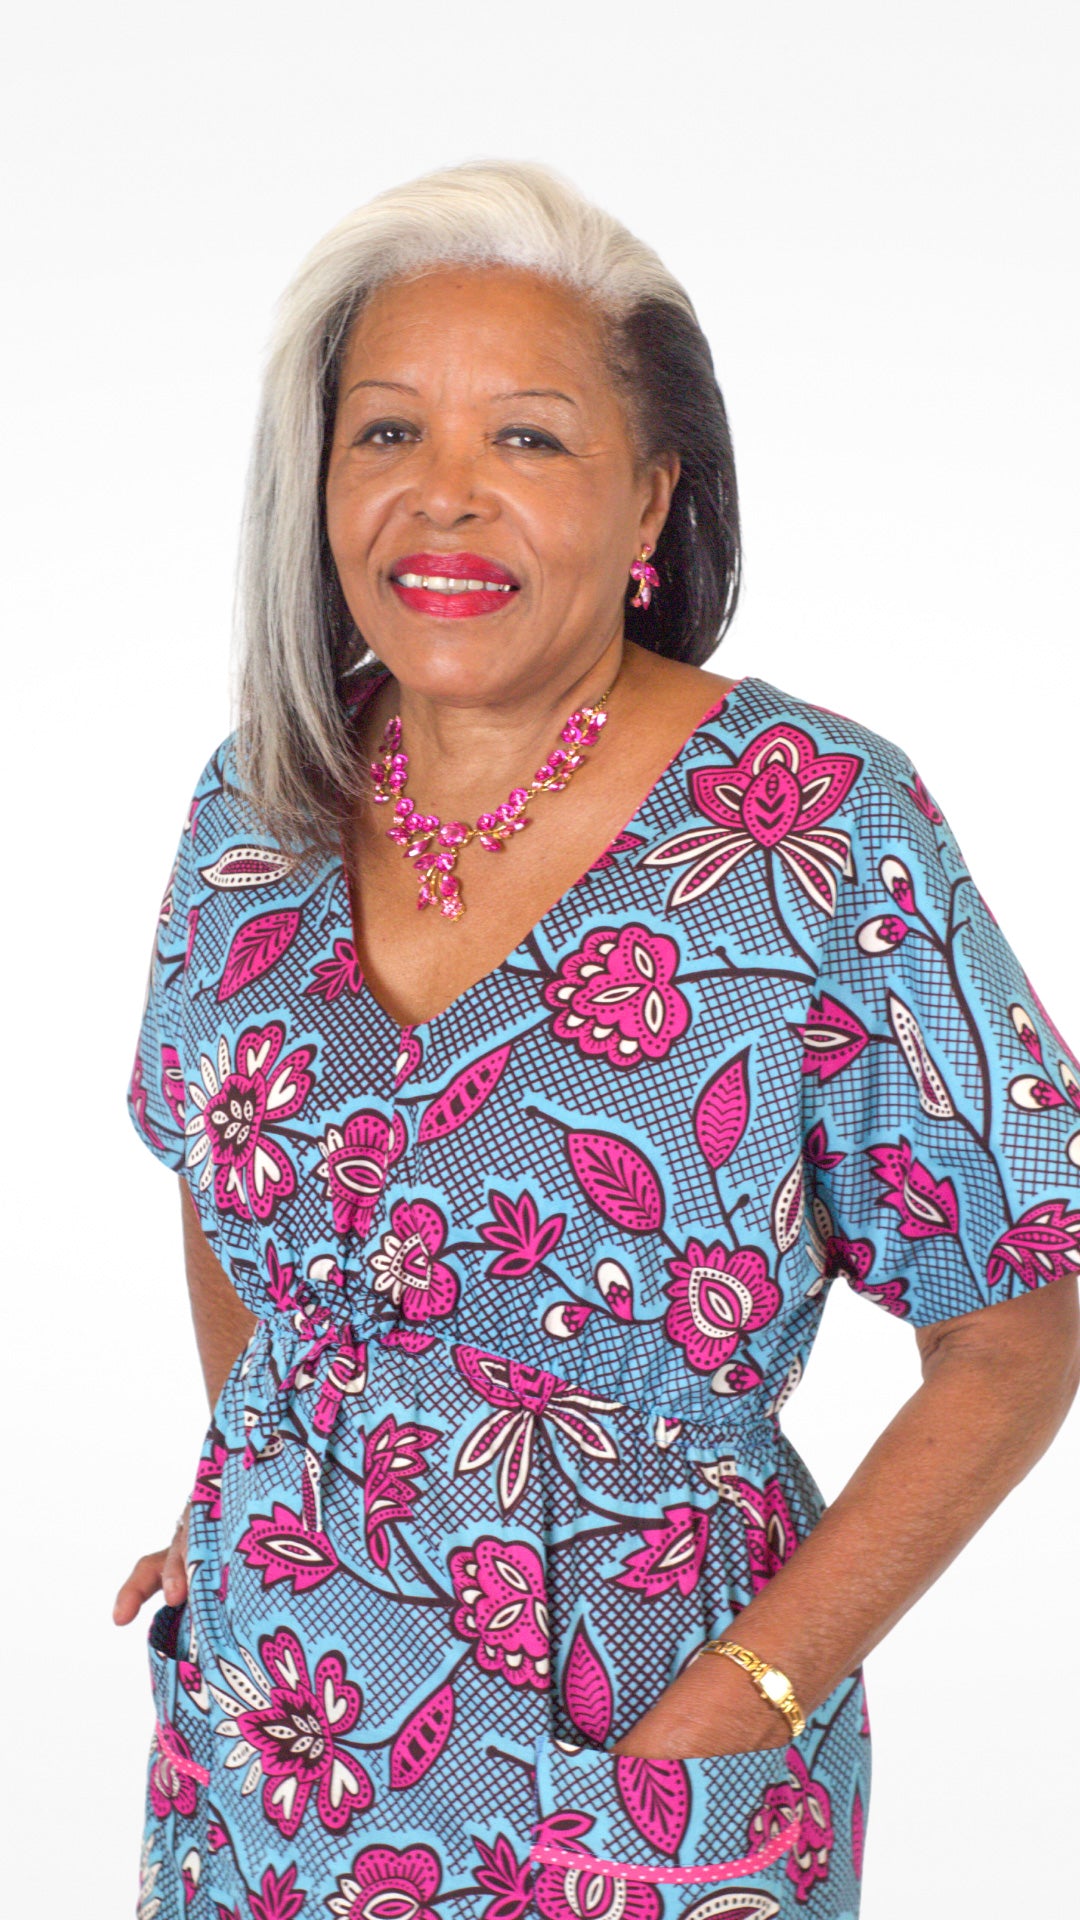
point(465, 756)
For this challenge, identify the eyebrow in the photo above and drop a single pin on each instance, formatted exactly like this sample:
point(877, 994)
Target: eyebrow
point(537, 393)
point(397, 385)
point(520, 393)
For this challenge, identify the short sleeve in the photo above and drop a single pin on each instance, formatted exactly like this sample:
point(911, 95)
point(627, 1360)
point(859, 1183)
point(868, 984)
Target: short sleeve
point(155, 1095)
point(941, 1103)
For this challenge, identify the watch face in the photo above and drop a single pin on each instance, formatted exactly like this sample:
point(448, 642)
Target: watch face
point(773, 1684)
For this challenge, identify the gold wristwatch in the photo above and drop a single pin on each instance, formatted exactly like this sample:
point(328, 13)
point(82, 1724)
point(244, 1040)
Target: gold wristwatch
point(773, 1686)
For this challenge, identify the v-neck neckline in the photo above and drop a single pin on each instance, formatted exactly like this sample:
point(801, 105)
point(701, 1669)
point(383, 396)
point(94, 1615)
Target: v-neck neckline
point(528, 940)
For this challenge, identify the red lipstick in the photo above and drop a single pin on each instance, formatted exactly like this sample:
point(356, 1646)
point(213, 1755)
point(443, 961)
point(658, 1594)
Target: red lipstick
point(452, 586)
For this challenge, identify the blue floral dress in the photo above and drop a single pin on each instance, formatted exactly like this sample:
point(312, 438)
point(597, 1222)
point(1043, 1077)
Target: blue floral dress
point(534, 1280)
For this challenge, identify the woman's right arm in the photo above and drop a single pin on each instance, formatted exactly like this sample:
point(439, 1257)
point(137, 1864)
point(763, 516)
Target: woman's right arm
point(223, 1327)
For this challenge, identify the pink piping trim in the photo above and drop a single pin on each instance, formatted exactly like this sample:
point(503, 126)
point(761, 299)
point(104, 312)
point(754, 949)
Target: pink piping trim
point(181, 1761)
point(683, 1876)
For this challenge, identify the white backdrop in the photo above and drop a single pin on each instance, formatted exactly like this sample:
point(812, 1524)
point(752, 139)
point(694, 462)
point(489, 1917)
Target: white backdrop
point(874, 210)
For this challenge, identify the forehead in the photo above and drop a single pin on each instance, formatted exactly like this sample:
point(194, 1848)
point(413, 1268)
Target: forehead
point(485, 322)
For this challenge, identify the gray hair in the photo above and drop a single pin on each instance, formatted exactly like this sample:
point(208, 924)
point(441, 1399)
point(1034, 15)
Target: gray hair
point(298, 643)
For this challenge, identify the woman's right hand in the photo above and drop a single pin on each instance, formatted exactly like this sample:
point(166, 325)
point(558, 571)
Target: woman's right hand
point(166, 1570)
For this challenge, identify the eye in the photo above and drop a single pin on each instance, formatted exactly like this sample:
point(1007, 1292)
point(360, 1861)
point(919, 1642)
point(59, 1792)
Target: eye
point(385, 433)
point(531, 440)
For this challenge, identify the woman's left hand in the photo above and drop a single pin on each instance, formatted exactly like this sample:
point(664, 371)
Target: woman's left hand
point(712, 1708)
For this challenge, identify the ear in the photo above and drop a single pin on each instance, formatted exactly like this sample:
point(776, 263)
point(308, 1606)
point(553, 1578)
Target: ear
point(659, 483)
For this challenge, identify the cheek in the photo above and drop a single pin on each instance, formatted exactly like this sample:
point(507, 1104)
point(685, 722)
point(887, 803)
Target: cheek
point(352, 512)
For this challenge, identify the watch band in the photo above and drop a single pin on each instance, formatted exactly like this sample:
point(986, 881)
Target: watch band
point(773, 1685)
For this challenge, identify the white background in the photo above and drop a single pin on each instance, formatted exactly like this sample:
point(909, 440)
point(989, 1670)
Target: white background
point(874, 208)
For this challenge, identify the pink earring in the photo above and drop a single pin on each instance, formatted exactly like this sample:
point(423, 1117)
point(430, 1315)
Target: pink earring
point(646, 577)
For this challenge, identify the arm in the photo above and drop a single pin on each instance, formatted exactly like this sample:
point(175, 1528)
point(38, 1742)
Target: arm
point(223, 1327)
point(997, 1384)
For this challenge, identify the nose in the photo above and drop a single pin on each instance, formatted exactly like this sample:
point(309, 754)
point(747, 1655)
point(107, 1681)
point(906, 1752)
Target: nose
point(448, 486)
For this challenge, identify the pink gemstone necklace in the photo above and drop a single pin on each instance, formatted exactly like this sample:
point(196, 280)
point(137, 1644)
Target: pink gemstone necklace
point(432, 845)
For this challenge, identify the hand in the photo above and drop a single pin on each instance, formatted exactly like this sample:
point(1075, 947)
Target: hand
point(166, 1569)
point(711, 1708)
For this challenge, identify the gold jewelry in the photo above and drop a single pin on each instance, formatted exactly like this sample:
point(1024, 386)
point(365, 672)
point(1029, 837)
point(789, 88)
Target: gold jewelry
point(773, 1685)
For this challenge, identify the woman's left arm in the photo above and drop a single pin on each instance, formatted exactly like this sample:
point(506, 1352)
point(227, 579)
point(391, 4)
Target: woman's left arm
point(997, 1384)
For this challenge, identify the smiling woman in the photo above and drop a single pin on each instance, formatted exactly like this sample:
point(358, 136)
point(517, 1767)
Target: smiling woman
point(509, 1222)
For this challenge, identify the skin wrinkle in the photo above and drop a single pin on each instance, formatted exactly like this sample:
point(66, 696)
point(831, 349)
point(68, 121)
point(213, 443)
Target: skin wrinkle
point(479, 710)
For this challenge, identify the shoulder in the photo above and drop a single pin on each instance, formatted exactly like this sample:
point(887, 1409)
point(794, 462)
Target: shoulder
point(221, 809)
point(829, 760)
point(219, 817)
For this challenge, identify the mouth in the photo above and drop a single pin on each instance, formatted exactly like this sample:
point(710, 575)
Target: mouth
point(452, 586)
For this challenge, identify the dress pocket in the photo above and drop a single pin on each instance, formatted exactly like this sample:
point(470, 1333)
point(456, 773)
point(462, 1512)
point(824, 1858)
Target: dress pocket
point(179, 1757)
point(621, 1838)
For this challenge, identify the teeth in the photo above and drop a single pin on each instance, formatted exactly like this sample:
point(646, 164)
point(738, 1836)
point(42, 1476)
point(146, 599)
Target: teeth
point(439, 583)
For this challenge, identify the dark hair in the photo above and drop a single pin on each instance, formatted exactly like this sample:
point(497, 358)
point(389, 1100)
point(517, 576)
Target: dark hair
point(662, 363)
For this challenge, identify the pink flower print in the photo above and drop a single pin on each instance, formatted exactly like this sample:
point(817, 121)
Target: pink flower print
point(672, 1555)
point(190, 1874)
point(406, 1265)
point(1026, 1031)
point(883, 934)
point(897, 881)
point(172, 1085)
point(799, 1797)
point(921, 797)
point(354, 1165)
point(409, 1057)
point(388, 1883)
point(503, 1609)
point(526, 1398)
point(776, 799)
point(279, 1897)
point(1034, 1093)
point(1043, 1245)
point(565, 1319)
point(282, 1547)
point(137, 1095)
point(717, 1296)
point(623, 842)
point(831, 1252)
point(808, 1861)
point(343, 973)
point(237, 1108)
point(505, 1877)
point(296, 1728)
point(570, 1893)
point(770, 1531)
point(816, 1148)
point(393, 1461)
point(858, 1833)
point(926, 1206)
point(174, 1774)
point(207, 1489)
point(517, 1228)
point(613, 1282)
point(615, 996)
point(832, 1037)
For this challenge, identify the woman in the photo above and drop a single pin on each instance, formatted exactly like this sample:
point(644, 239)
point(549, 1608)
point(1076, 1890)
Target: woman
point(509, 1222)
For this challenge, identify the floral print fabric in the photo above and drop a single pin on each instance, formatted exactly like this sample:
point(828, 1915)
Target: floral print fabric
point(534, 1280)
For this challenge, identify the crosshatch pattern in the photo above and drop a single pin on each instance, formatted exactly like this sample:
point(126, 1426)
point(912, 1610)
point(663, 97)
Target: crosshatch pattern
point(534, 1280)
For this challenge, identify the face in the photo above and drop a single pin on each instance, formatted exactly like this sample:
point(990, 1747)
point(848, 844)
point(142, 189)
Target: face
point(478, 439)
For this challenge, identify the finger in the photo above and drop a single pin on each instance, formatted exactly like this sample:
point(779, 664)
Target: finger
point(143, 1580)
point(174, 1572)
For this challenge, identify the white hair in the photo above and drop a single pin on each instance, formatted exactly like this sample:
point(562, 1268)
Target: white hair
point(296, 637)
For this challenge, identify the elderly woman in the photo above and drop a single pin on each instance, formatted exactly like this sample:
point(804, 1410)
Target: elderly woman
point(509, 1222)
